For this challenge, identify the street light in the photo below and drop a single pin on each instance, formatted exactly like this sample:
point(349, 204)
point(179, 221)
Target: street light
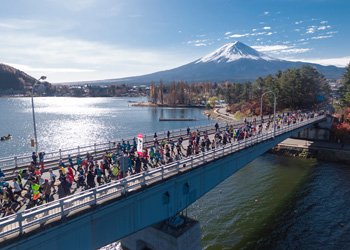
point(34, 124)
point(274, 108)
point(262, 101)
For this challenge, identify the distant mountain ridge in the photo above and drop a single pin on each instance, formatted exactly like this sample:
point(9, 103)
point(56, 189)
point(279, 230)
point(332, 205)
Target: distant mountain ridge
point(234, 51)
point(234, 62)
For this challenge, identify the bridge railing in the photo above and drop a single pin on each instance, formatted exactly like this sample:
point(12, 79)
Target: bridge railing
point(32, 218)
point(15, 161)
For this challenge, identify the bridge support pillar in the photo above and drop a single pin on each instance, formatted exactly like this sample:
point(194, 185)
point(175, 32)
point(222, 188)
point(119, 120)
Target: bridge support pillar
point(161, 236)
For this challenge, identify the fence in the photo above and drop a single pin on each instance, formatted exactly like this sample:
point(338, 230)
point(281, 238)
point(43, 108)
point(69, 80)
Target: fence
point(32, 218)
point(21, 160)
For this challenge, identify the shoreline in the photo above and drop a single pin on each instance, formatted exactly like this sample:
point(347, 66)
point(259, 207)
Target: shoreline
point(149, 104)
point(22, 96)
point(322, 151)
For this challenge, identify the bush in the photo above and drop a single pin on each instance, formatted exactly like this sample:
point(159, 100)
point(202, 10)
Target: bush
point(341, 131)
point(239, 115)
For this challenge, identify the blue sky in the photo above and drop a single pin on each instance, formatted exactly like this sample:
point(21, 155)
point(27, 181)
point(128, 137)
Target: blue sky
point(82, 40)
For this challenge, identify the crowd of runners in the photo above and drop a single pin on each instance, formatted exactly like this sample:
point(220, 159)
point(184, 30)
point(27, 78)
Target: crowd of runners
point(85, 172)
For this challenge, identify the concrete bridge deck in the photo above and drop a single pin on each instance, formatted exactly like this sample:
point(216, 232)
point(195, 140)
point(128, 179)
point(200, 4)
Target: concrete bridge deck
point(11, 164)
point(17, 162)
point(128, 205)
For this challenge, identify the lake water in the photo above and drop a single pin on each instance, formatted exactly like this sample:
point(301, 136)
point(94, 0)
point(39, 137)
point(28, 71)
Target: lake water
point(301, 205)
point(67, 122)
point(301, 202)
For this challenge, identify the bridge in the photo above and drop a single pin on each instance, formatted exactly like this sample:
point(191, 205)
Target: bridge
point(99, 216)
point(18, 162)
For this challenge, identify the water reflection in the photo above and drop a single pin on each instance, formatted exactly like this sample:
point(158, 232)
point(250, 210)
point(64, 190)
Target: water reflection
point(69, 122)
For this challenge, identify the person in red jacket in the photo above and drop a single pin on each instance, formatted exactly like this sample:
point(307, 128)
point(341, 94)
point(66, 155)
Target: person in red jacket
point(70, 173)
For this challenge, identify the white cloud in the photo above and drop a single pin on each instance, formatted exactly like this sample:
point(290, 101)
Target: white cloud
point(323, 22)
point(324, 27)
point(269, 47)
point(197, 41)
point(280, 49)
point(200, 44)
point(228, 33)
point(297, 30)
point(269, 34)
point(239, 35)
point(311, 29)
point(294, 51)
point(301, 40)
point(254, 30)
point(27, 68)
point(299, 22)
point(321, 37)
point(332, 32)
point(247, 34)
point(9, 26)
point(339, 62)
point(20, 24)
point(73, 59)
point(267, 28)
point(266, 13)
point(258, 34)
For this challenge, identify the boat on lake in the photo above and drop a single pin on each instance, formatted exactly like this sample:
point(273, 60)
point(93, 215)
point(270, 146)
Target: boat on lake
point(8, 137)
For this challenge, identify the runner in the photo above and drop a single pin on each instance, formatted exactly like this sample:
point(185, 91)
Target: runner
point(46, 190)
point(41, 159)
point(52, 180)
point(18, 189)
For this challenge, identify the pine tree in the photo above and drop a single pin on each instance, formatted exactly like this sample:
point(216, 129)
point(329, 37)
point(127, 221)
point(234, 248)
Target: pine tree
point(346, 85)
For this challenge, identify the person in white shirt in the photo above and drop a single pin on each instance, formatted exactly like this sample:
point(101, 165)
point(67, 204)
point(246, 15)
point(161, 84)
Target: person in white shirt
point(18, 190)
point(52, 180)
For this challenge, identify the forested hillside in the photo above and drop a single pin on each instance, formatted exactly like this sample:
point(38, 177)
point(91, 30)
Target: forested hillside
point(296, 88)
point(11, 78)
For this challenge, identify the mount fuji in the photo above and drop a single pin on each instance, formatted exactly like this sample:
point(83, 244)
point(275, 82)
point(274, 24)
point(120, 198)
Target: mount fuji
point(235, 62)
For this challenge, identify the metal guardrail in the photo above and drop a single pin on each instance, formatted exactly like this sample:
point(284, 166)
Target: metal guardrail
point(24, 221)
point(16, 161)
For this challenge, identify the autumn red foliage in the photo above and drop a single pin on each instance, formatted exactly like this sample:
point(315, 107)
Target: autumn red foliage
point(341, 130)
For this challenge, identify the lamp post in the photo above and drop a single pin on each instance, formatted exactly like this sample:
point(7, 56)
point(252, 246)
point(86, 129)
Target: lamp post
point(262, 101)
point(34, 124)
point(274, 109)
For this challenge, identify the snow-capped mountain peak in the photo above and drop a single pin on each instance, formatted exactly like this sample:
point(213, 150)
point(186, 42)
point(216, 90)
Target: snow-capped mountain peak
point(234, 51)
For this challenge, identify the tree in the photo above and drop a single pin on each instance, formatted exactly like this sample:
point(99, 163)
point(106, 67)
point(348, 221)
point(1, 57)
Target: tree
point(154, 93)
point(212, 101)
point(345, 102)
point(161, 92)
point(78, 92)
point(181, 92)
point(172, 94)
point(345, 88)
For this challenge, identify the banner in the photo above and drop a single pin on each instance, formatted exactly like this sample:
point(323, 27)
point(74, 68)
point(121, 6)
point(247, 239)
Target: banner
point(140, 144)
